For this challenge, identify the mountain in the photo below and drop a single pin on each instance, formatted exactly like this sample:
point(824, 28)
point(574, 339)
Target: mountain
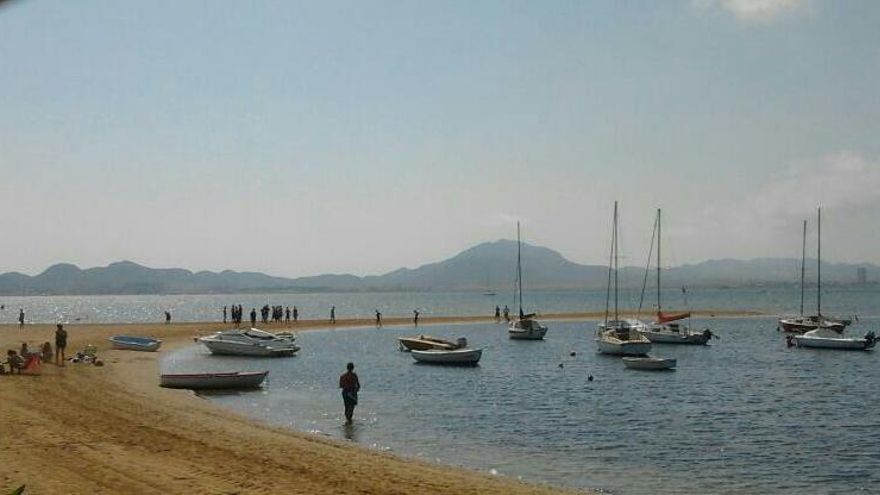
point(487, 266)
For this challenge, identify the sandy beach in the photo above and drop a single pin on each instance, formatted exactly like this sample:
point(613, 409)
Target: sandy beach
point(112, 429)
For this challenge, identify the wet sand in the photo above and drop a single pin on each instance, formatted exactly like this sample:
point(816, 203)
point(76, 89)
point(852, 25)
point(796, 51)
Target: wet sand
point(112, 429)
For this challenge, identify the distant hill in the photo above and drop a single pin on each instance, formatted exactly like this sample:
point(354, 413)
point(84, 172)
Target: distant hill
point(487, 266)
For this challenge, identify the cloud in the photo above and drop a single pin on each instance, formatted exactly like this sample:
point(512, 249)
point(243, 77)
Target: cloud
point(756, 10)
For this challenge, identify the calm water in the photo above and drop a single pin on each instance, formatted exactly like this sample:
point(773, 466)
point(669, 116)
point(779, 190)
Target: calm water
point(130, 309)
point(746, 415)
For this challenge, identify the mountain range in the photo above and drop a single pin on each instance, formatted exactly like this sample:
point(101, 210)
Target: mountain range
point(486, 267)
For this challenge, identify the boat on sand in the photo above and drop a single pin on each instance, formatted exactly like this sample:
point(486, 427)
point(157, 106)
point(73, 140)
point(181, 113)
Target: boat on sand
point(202, 381)
point(251, 342)
point(130, 343)
point(457, 357)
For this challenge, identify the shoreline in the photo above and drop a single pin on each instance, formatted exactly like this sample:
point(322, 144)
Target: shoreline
point(84, 429)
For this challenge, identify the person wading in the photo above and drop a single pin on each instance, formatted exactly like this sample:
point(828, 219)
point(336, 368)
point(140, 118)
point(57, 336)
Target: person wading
point(350, 385)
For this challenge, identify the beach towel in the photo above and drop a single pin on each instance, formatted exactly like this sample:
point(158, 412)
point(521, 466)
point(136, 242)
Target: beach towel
point(32, 365)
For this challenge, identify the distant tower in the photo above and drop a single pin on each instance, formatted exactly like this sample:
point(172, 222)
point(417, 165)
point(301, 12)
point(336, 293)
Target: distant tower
point(862, 275)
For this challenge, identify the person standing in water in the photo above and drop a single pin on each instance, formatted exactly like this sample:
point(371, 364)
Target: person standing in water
point(60, 344)
point(378, 319)
point(350, 386)
point(497, 314)
point(333, 314)
point(168, 317)
point(295, 314)
point(416, 318)
point(253, 317)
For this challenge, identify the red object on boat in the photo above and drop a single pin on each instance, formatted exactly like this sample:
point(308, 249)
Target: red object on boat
point(667, 317)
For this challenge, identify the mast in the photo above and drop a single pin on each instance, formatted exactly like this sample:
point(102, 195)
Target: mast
point(819, 264)
point(803, 264)
point(610, 266)
point(519, 269)
point(658, 261)
point(614, 242)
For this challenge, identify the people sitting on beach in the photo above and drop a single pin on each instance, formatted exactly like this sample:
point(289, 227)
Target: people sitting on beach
point(24, 352)
point(14, 362)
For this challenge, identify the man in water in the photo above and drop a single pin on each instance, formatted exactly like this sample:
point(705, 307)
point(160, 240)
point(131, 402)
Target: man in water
point(416, 318)
point(350, 386)
point(333, 314)
point(253, 317)
point(497, 314)
point(378, 319)
point(295, 314)
point(60, 344)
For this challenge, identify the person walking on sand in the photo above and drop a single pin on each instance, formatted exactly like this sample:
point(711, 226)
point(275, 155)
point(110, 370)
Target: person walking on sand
point(350, 386)
point(224, 314)
point(506, 313)
point(295, 314)
point(416, 318)
point(378, 319)
point(60, 344)
point(168, 317)
point(333, 315)
point(20, 317)
point(253, 317)
point(497, 314)
point(287, 314)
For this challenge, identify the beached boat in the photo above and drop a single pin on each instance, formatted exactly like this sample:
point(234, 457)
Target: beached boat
point(201, 381)
point(649, 363)
point(663, 330)
point(251, 342)
point(616, 336)
point(456, 357)
point(130, 343)
point(525, 327)
point(426, 342)
point(823, 338)
point(801, 323)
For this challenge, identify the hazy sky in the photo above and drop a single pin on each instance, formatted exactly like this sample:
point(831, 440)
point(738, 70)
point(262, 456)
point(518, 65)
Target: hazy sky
point(302, 138)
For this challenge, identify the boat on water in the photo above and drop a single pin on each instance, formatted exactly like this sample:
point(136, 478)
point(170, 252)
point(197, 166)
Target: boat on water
point(455, 357)
point(250, 342)
point(526, 326)
point(203, 381)
point(427, 342)
point(823, 338)
point(802, 323)
point(616, 336)
point(650, 363)
point(664, 330)
point(131, 343)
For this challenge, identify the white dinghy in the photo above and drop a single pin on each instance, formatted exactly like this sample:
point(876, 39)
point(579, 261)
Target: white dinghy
point(823, 338)
point(650, 363)
point(456, 357)
point(201, 381)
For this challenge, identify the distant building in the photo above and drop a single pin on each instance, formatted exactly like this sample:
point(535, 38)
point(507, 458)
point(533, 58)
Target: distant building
point(862, 275)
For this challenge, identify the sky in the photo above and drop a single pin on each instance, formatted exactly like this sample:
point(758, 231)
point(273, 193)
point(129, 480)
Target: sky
point(300, 138)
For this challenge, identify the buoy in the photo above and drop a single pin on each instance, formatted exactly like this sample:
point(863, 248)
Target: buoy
point(573, 353)
point(590, 378)
point(561, 365)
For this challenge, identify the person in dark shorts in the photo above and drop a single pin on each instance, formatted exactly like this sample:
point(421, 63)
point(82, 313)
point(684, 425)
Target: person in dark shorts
point(350, 386)
point(60, 344)
point(333, 314)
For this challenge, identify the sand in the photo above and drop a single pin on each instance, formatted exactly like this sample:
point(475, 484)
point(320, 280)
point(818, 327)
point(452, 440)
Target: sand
point(112, 429)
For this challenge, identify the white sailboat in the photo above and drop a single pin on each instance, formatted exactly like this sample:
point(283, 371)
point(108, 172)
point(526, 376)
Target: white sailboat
point(619, 337)
point(525, 326)
point(829, 334)
point(663, 330)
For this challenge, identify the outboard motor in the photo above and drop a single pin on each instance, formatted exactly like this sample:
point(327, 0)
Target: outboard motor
point(461, 342)
point(870, 338)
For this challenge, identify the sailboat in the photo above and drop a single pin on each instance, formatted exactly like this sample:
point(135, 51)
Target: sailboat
point(664, 330)
point(803, 324)
point(616, 336)
point(829, 333)
point(525, 327)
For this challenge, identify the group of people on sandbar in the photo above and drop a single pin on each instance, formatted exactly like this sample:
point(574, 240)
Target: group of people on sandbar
point(278, 314)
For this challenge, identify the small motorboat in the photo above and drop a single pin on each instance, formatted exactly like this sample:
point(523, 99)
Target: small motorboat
point(426, 342)
point(251, 342)
point(130, 343)
point(823, 338)
point(649, 363)
point(672, 333)
point(526, 328)
point(456, 357)
point(201, 381)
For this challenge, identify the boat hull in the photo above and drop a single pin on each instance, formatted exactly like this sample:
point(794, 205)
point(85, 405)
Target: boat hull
point(649, 364)
point(458, 357)
point(424, 343)
point(142, 344)
point(242, 349)
point(624, 348)
point(207, 381)
point(682, 338)
point(844, 344)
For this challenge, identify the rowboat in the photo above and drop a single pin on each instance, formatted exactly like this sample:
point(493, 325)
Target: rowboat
point(649, 363)
point(130, 343)
point(199, 381)
point(456, 357)
point(426, 342)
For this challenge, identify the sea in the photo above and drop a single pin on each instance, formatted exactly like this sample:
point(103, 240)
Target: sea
point(746, 414)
